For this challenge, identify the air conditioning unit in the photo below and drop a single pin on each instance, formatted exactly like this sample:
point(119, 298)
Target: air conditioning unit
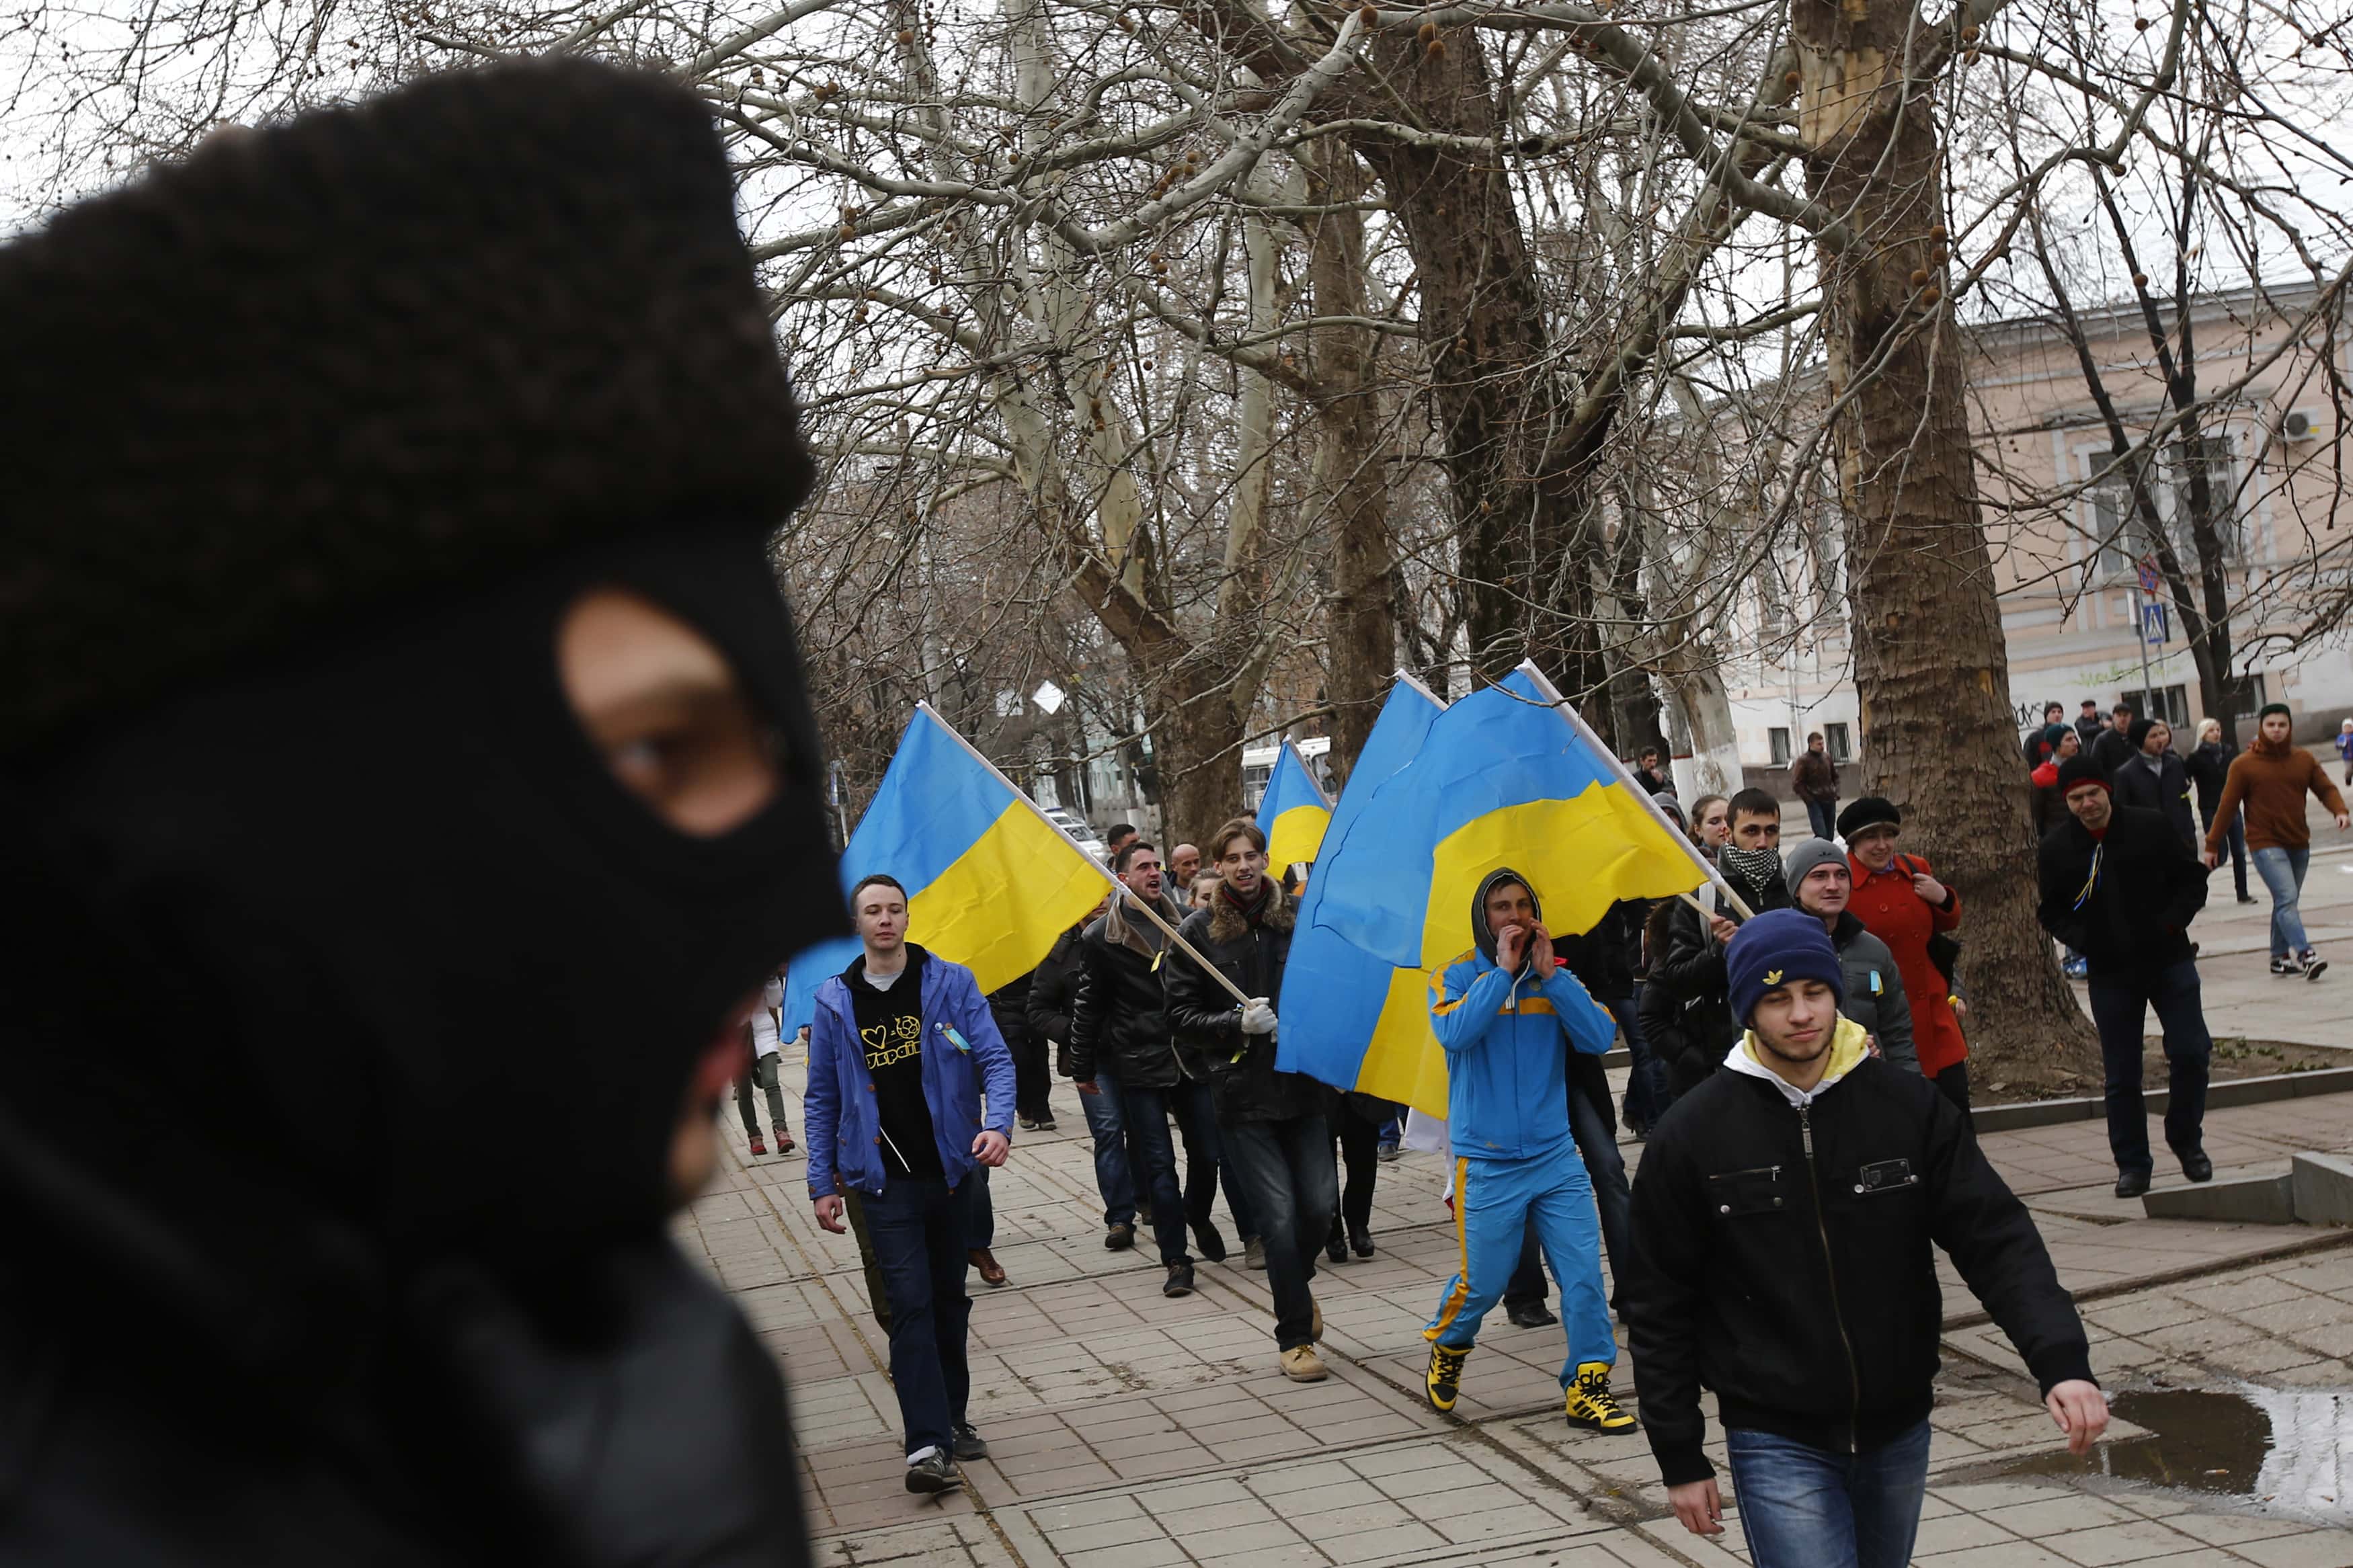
point(2296, 426)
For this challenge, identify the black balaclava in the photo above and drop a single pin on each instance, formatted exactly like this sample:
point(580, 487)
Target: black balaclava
point(302, 958)
point(1480, 931)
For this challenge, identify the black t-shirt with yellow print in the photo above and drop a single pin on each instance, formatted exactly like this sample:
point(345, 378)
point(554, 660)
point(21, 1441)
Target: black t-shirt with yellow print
point(890, 1038)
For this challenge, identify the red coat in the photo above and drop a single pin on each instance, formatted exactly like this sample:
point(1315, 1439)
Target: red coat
point(1888, 908)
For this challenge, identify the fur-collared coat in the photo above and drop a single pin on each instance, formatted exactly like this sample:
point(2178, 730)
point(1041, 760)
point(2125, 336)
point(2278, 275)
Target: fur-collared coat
point(1210, 1045)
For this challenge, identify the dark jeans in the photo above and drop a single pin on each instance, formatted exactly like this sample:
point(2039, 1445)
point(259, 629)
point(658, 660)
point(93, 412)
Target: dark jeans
point(1803, 1507)
point(1152, 1160)
point(980, 1234)
point(876, 1294)
point(1360, 1149)
point(2119, 1004)
point(1108, 1123)
point(1953, 1083)
point(1031, 1082)
point(1613, 1197)
point(1647, 1095)
point(2238, 839)
point(1197, 1124)
point(1822, 816)
point(1287, 1167)
point(761, 1074)
point(919, 1228)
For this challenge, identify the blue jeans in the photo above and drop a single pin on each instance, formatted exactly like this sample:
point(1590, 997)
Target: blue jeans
point(1613, 1198)
point(1821, 816)
point(1152, 1160)
point(1809, 1507)
point(1197, 1124)
point(920, 1229)
point(1287, 1167)
point(2120, 1002)
point(1109, 1129)
point(2283, 874)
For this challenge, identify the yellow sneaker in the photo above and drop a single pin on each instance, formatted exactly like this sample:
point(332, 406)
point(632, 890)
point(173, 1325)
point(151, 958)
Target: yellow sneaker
point(1445, 1379)
point(1590, 1402)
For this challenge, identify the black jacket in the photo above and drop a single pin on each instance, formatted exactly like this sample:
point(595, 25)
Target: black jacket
point(2207, 766)
point(1238, 1068)
point(1689, 983)
point(2111, 751)
point(1799, 1286)
point(1603, 962)
point(2136, 916)
point(1119, 1017)
point(2166, 791)
point(1010, 1006)
point(1053, 991)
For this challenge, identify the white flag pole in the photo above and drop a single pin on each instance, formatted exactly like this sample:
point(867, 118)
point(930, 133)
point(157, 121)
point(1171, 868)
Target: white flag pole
point(1212, 970)
point(1562, 706)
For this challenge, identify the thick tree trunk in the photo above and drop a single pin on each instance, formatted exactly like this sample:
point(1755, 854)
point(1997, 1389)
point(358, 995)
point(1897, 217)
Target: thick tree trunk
point(1930, 664)
point(1522, 552)
point(1196, 741)
point(1350, 484)
point(1705, 746)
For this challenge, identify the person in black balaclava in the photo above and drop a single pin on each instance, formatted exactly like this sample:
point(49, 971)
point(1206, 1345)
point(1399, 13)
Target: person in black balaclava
point(398, 710)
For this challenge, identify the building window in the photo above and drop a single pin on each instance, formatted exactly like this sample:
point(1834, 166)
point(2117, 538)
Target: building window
point(2212, 456)
point(2171, 704)
point(1834, 742)
point(2120, 534)
point(1781, 740)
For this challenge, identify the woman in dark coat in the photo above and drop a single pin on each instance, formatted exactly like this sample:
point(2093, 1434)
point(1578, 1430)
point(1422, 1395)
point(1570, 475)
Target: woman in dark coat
point(2209, 765)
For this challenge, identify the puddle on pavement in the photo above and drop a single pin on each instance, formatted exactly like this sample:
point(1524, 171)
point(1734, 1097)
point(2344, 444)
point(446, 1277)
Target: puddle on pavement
point(2285, 1450)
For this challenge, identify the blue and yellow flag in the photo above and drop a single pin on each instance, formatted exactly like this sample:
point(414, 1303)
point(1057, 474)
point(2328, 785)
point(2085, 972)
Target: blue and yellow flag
point(1333, 990)
point(1293, 812)
point(990, 882)
point(1509, 776)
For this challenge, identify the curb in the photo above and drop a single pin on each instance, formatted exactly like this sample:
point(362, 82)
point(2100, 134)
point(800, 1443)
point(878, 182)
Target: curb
point(2325, 1241)
point(2221, 1094)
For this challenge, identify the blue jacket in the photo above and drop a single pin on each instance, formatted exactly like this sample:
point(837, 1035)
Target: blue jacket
point(1507, 1045)
point(845, 1136)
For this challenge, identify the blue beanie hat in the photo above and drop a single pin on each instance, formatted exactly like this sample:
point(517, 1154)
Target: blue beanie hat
point(1773, 949)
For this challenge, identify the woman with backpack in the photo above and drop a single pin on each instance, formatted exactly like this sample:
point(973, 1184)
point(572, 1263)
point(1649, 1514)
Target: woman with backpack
point(1900, 902)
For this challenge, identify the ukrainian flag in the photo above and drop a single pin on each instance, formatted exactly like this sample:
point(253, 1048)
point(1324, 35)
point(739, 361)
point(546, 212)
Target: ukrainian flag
point(990, 882)
point(1293, 812)
point(1509, 776)
point(1333, 990)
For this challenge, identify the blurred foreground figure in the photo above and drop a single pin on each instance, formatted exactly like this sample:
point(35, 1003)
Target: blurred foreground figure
point(398, 725)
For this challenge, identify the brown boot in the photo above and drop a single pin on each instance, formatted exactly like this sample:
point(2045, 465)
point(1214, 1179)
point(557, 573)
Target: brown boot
point(992, 1273)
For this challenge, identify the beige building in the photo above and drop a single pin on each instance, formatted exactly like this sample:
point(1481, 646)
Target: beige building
point(2064, 538)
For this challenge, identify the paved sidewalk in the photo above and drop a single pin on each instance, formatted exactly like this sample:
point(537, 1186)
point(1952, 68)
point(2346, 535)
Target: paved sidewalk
point(1128, 1430)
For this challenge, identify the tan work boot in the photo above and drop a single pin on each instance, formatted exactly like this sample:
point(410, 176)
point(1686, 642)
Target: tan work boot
point(1300, 1364)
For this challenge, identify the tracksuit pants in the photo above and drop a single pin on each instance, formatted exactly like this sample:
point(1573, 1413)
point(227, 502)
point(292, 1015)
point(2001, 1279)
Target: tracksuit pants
point(1496, 1202)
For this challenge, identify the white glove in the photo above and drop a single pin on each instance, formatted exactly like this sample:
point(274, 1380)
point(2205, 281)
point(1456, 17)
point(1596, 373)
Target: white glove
point(1258, 1018)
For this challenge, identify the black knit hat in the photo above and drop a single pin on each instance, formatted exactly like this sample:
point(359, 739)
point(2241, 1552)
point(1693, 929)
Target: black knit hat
point(373, 352)
point(1868, 812)
point(2137, 733)
point(2080, 769)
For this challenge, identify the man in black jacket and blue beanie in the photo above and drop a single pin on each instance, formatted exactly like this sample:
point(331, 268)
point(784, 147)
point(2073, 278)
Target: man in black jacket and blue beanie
point(2121, 887)
point(1783, 1217)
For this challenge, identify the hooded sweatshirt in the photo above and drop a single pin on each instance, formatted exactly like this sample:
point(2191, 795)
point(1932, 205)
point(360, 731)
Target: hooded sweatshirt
point(2270, 780)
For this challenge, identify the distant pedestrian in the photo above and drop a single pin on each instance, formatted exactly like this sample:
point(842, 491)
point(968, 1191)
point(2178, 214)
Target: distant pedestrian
point(1184, 869)
point(2345, 747)
point(2155, 779)
point(1272, 1123)
point(1782, 1232)
point(1814, 778)
point(762, 1070)
point(1356, 1120)
point(903, 1050)
point(2117, 886)
point(2089, 722)
point(1119, 835)
point(1032, 1082)
point(2114, 748)
point(2062, 742)
point(1900, 901)
point(1053, 994)
point(2209, 766)
point(1648, 775)
point(2038, 743)
point(2269, 780)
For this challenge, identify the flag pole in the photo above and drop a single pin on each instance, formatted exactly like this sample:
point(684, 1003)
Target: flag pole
point(1212, 970)
point(1562, 706)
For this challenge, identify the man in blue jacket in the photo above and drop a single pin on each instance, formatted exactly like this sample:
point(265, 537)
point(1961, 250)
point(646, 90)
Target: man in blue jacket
point(902, 1049)
point(1508, 1014)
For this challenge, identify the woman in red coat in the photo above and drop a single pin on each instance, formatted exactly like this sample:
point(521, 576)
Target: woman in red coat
point(1899, 902)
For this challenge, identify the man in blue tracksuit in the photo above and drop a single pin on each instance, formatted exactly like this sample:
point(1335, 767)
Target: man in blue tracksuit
point(901, 1048)
point(1508, 1014)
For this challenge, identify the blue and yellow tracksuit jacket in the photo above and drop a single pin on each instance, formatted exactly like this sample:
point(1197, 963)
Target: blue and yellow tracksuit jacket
point(1508, 1076)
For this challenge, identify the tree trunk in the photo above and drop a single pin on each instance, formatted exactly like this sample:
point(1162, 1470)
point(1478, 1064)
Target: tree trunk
point(1196, 741)
point(1707, 751)
point(1350, 484)
point(1930, 664)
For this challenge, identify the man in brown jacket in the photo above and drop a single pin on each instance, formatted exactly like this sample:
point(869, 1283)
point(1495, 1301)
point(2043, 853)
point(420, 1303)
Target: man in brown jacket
point(2269, 779)
point(1814, 777)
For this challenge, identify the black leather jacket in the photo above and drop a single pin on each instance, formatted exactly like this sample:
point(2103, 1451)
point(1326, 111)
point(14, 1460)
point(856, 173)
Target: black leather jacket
point(1119, 1017)
point(1239, 1067)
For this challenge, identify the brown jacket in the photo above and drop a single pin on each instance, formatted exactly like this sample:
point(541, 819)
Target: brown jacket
point(2270, 781)
point(1815, 777)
